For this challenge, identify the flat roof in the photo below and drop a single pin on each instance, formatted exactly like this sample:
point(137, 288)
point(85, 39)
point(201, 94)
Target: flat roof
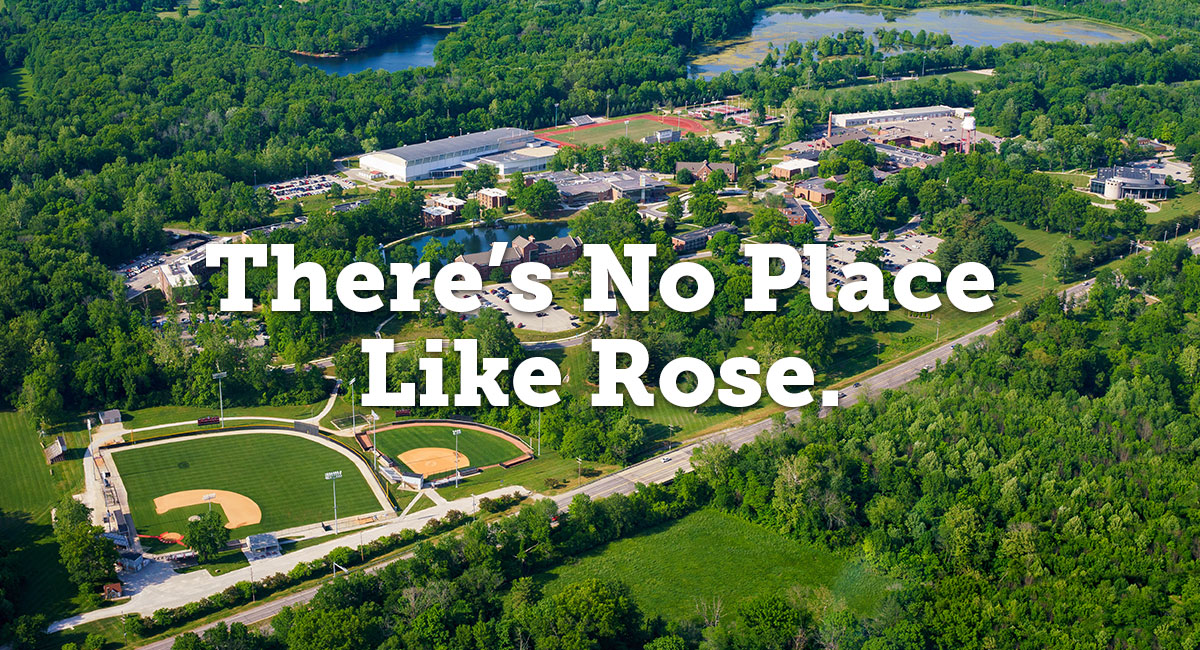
point(797, 163)
point(456, 144)
point(893, 113)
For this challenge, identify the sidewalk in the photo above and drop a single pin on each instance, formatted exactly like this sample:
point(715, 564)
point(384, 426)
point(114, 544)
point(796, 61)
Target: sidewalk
point(157, 586)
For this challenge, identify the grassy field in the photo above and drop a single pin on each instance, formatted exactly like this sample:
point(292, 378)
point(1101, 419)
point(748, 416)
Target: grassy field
point(27, 494)
point(481, 449)
point(547, 474)
point(717, 555)
point(283, 474)
point(156, 415)
point(638, 129)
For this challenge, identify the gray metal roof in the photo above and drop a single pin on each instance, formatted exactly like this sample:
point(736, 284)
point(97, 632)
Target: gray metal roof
point(459, 143)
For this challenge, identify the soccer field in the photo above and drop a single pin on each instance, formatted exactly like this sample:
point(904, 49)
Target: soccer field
point(283, 474)
point(481, 449)
point(638, 129)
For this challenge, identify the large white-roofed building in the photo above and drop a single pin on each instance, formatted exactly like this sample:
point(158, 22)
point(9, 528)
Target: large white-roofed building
point(425, 160)
point(895, 115)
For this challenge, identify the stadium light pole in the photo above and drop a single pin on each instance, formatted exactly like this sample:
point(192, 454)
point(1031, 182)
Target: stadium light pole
point(219, 375)
point(457, 433)
point(353, 418)
point(375, 438)
point(556, 115)
point(208, 498)
point(334, 476)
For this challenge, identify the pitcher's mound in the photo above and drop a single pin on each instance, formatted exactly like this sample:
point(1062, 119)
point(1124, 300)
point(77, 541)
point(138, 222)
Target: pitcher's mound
point(239, 509)
point(432, 460)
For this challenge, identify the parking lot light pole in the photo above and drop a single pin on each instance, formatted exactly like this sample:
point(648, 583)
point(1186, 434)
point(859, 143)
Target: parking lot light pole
point(334, 476)
point(457, 433)
point(579, 462)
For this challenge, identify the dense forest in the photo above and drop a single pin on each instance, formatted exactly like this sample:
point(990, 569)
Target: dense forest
point(1036, 490)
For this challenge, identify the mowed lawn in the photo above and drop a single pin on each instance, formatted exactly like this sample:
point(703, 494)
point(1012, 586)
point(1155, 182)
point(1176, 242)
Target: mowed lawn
point(638, 129)
point(283, 474)
point(27, 494)
point(711, 554)
point(481, 449)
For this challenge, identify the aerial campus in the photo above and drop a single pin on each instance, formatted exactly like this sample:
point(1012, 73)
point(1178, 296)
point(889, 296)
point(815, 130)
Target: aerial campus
point(183, 476)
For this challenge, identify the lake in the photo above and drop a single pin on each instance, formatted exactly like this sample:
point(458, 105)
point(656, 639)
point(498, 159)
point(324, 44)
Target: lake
point(408, 52)
point(967, 26)
point(480, 239)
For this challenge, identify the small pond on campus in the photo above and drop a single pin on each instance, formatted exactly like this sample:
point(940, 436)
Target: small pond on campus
point(401, 54)
point(976, 26)
point(480, 239)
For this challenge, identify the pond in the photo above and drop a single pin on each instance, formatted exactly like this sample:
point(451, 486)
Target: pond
point(480, 239)
point(404, 53)
point(974, 26)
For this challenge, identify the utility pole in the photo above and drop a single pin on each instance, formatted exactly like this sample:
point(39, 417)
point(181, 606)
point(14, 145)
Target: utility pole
point(539, 449)
point(579, 462)
point(606, 98)
point(334, 476)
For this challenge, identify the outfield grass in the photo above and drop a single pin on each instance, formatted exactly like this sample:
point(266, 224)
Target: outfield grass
point(481, 449)
point(711, 554)
point(283, 474)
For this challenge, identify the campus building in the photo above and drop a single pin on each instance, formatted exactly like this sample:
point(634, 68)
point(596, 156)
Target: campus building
point(794, 168)
point(526, 159)
point(694, 240)
point(701, 170)
point(814, 191)
point(590, 187)
point(445, 157)
point(435, 216)
point(866, 118)
point(492, 197)
point(1115, 183)
point(555, 252)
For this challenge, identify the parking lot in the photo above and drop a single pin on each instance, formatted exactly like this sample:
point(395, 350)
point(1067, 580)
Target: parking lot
point(901, 251)
point(553, 319)
point(1181, 172)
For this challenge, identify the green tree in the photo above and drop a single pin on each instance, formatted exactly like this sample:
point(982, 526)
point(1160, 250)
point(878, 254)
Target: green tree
point(539, 199)
point(207, 535)
point(706, 209)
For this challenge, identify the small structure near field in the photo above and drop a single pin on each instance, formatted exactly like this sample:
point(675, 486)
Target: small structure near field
point(111, 416)
point(56, 452)
point(132, 561)
point(113, 591)
point(262, 546)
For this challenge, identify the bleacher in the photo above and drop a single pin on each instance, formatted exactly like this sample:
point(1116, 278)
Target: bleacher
point(581, 120)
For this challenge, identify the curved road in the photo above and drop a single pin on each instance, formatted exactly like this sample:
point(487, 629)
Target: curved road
point(661, 469)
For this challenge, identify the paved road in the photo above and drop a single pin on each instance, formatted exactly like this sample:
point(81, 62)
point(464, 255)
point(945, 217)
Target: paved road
point(663, 468)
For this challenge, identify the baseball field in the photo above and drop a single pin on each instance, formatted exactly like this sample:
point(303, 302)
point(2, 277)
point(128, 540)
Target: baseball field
point(429, 448)
point(268, 482)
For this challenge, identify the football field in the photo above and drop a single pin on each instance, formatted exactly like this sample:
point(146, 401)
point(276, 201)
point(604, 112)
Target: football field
point(283, 475)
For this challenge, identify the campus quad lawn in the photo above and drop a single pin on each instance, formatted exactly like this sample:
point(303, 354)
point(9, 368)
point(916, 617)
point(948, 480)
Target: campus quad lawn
point(481, 449)
point(717, 555)
point(283, 474)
